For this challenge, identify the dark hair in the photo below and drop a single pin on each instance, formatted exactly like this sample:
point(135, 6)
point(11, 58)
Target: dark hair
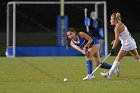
point(67, 42)
point(71, 29)
point(67, 38)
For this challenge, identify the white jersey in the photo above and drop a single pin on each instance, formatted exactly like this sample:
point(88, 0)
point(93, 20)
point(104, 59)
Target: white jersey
point(125, 37)
point(127, 41)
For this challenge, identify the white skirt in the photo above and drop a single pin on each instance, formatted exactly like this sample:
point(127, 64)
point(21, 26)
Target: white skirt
point(129, 47)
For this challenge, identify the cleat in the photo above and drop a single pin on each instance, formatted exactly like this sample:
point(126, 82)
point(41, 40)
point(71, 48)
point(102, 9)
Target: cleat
point(89, 77)
point(109, 77)
point(117, 72)
point(106, 75)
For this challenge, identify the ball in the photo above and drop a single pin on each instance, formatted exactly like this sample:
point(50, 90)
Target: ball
point(65, 79)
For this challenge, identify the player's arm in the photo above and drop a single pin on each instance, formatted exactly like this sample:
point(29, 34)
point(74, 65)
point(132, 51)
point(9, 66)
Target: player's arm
point(116, 40)
point(87, 37)
point(76, 47)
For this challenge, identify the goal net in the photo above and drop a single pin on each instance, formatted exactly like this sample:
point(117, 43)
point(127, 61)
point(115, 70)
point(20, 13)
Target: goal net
point(38, 29)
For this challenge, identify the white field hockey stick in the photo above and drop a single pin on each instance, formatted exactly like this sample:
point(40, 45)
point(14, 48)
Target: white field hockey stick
point(85, 11)
point(100, 64)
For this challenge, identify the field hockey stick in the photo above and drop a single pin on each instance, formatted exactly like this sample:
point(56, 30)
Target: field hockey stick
point(85, 11)
point(100, 64)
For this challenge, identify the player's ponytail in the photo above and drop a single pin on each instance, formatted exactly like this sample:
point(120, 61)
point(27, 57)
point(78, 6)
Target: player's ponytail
point(67, 42)
point(116, 16)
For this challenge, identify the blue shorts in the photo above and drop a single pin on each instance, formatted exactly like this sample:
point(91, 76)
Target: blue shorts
point(95, 41)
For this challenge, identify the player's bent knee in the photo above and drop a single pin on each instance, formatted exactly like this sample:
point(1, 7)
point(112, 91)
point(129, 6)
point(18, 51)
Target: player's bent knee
point(137, 57)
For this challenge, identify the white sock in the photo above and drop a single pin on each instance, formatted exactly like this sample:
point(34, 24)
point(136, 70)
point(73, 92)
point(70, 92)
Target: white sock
point(114, 66)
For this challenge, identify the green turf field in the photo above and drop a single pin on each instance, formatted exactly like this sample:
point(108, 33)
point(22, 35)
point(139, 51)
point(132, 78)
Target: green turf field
point(46, 74)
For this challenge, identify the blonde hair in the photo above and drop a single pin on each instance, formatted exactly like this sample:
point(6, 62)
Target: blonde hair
point(116, 16)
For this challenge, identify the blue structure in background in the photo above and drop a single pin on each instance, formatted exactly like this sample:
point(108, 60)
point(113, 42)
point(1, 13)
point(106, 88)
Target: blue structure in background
point(87, 21)
point(43, 51)
point(61, 29)
point(59, 50)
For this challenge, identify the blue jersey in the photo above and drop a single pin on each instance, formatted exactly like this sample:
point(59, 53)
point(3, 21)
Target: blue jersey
point(82, 41)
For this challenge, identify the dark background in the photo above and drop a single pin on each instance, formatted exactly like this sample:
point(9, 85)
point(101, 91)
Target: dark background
point(129, 10)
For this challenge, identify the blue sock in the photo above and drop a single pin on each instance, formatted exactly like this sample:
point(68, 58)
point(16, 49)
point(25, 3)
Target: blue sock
point(106, 65)
point(89, 66)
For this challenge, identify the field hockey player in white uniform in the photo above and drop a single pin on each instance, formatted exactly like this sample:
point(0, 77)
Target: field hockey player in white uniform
point(127, 41)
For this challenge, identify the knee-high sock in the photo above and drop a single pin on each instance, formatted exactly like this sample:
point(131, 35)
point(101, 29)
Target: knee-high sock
point(89, 66)
point(114, 66)
point(106, 65)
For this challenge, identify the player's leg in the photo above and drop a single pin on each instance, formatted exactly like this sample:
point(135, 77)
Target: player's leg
point(135, 54)
point(93, 50)
point(133, 51)
point(97, 60)
point(89, 64)
point(116, 63)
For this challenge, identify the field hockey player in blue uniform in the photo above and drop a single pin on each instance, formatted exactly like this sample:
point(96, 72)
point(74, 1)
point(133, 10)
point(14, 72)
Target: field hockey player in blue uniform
point(89, 46)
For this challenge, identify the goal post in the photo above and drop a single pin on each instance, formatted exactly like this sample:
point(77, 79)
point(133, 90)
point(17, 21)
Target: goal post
point(11, 48)
point(12, 24)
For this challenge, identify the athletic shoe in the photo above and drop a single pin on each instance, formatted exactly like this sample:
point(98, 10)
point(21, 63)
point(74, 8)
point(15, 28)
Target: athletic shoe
point(88, 77)
point(106, 75)
point(117, 72)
